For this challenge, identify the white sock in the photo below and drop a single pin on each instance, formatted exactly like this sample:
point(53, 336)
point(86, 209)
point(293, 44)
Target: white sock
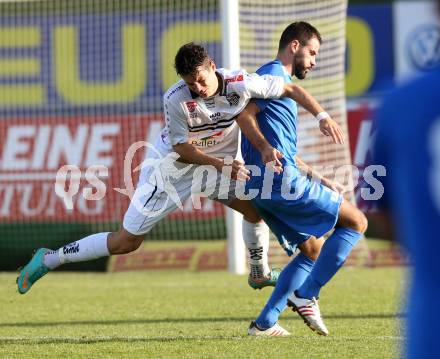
point(51, 259)
point(256, 238)
point(88, 248)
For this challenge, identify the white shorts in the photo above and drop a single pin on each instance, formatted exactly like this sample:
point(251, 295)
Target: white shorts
point(166, 185)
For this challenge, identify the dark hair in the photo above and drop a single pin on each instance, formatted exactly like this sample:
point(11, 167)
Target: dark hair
point(301, 31)
point(189, 57)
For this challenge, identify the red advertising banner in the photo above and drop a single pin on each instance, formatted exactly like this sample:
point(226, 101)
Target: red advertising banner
point(33, 150)
point(361, 135)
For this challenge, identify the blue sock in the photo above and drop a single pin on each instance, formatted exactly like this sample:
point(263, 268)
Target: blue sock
point(333, 254)
point(292, 276)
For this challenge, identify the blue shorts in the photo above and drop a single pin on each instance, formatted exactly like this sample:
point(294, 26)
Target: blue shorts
point(313, 213)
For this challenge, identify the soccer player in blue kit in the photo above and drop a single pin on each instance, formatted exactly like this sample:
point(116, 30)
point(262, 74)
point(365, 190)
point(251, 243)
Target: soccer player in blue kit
point(316, 208)
point(408, 146)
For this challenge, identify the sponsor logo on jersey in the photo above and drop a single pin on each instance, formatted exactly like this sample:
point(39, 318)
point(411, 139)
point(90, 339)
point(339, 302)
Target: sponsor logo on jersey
point(209, 141)
point(191, 106)
point(175, 90)
point(71, 248)
point(233, 79)
point(209, 102)
point(215, 115)
point(233, 98)
point(205, 142)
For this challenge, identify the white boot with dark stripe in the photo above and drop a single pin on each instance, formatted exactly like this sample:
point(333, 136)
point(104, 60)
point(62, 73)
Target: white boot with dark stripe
point(309, 311)
point(275, 331)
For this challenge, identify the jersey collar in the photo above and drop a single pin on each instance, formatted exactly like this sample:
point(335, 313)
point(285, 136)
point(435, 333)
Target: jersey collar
point(285, 72)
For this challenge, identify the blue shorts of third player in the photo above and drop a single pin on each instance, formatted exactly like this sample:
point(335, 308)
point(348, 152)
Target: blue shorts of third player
point(293, 221)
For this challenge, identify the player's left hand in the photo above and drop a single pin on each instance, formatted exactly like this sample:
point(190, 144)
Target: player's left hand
point(334, 185)
point(329, 127)
point(271, 157)
point(338, 187)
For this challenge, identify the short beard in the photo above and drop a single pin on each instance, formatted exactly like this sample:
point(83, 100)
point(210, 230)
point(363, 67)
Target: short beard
point(299, 72)
point(300, 75)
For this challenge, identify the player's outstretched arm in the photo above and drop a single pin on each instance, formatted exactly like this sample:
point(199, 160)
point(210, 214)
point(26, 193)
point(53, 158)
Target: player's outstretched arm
point(327, 125)
point(190, 154)
point(248, 124)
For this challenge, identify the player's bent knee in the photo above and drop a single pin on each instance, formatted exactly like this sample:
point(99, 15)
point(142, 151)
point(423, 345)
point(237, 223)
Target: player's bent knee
point(251, 215)
point(132, 243)
point(361, 222)
point(312, 253)
point(364, 223)
point(312, 247)
point(352, 217)
point(252, 219)
point(123, 242)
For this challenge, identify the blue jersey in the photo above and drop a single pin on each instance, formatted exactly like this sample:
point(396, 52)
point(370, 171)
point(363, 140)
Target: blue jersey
point(408, 145)
point(314, 211)
point(277, 120)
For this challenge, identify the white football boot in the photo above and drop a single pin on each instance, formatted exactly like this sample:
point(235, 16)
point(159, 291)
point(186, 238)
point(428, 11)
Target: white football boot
point(275, 331)
point(309, 311)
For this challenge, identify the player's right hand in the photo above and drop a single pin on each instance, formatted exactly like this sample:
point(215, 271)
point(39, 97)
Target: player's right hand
point(329, 127)
point(237, 171)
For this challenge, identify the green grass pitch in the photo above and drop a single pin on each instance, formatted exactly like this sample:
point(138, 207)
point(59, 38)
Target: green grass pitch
point(164, 314)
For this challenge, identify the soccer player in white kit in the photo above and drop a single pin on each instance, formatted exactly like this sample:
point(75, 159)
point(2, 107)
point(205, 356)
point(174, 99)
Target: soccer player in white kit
point(200, 113)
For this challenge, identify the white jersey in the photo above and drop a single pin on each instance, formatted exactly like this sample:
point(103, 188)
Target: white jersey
point(209, 123)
